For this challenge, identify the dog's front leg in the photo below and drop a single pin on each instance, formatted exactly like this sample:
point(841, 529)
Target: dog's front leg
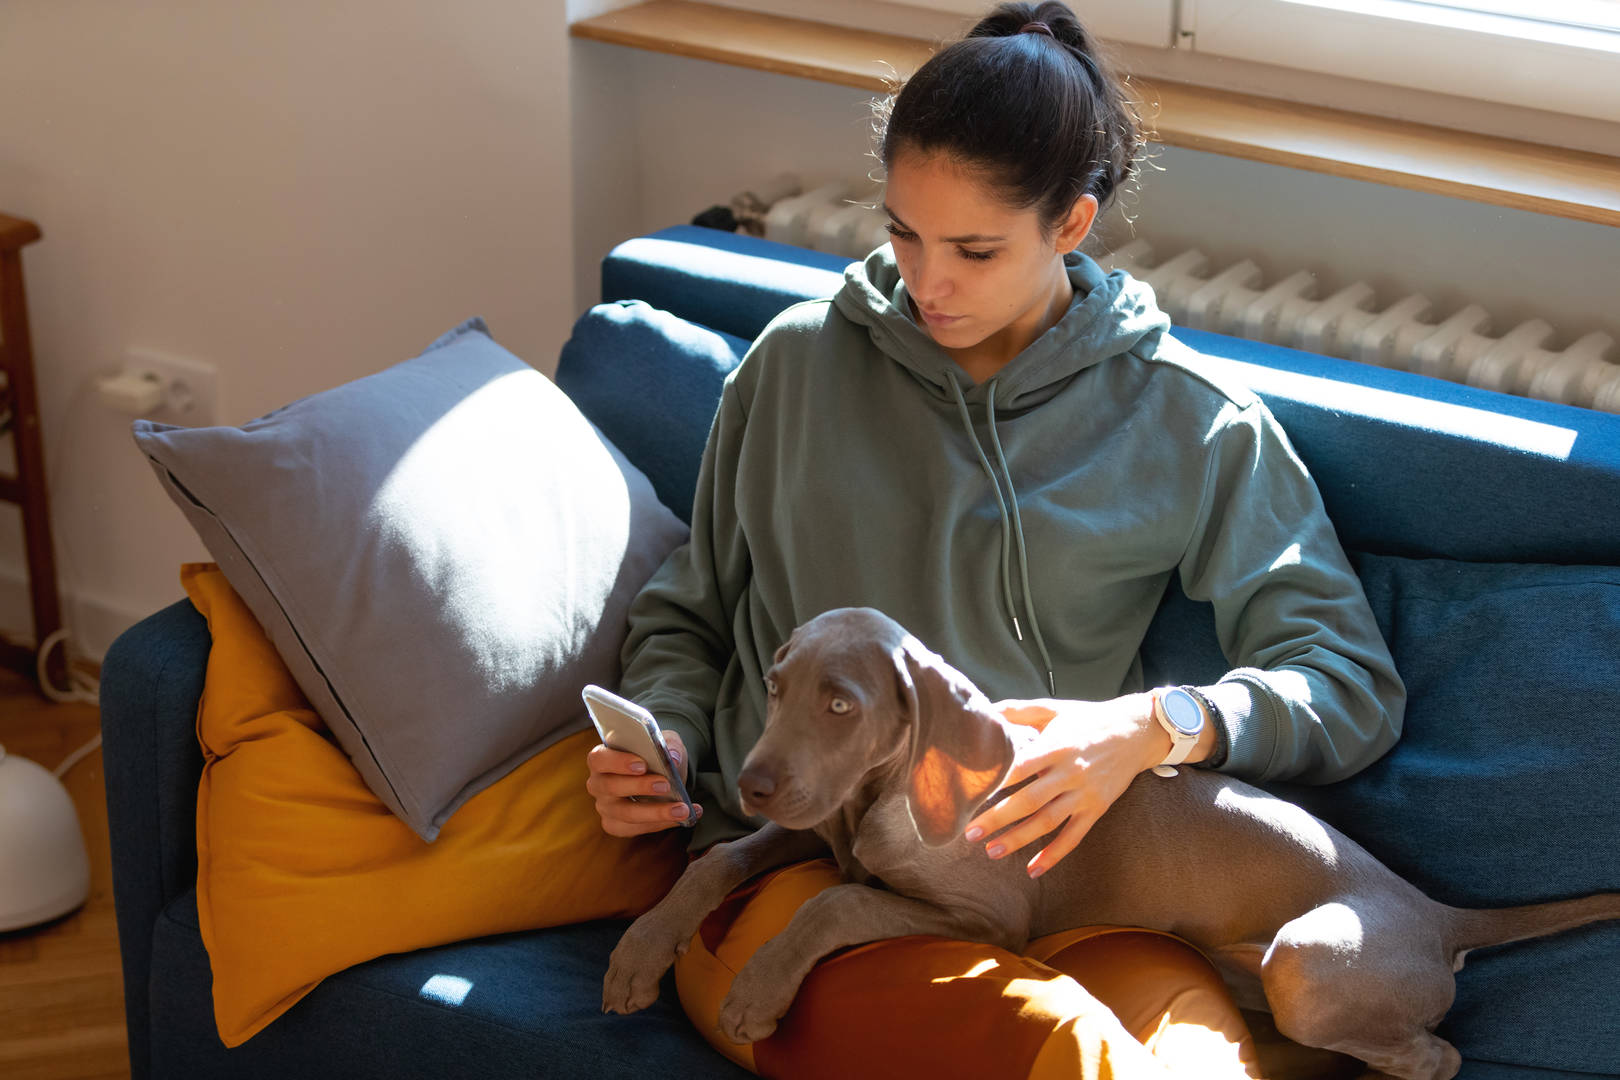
point(653, 941)
point(835, 918)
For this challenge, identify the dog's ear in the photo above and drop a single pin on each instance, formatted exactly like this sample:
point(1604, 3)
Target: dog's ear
point(782, 650)
point(959, 753)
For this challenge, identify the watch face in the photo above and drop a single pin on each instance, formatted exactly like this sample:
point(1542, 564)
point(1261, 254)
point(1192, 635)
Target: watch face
point(1184, 711)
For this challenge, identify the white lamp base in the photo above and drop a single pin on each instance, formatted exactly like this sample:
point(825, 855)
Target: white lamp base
point(44, 868)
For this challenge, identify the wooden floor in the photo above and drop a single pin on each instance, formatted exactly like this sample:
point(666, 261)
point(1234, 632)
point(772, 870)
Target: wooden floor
point(61, 991)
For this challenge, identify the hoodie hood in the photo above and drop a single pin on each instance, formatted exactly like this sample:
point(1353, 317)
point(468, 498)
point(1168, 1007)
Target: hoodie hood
point(1112, 313)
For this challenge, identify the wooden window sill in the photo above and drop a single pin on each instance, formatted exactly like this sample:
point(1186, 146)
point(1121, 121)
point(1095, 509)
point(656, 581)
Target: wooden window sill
point(1501, 172)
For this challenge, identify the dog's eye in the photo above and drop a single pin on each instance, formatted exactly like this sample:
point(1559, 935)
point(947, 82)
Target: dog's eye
point(840, 706)
point(770, 687)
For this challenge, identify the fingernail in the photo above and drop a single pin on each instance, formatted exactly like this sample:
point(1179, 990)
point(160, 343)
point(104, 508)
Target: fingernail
point(974, 833)
point(995, 851)
point(677, 811)
point(638, 767)
point(660, 788)
point(1036, 871)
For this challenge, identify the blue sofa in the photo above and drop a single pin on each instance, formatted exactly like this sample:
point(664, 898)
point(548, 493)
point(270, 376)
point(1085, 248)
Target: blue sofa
point(1487, 532)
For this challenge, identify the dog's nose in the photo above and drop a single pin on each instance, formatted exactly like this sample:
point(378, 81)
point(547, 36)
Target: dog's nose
point(756, 785)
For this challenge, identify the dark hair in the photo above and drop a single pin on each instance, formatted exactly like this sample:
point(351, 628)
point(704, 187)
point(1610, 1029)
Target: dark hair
point(1025, 98)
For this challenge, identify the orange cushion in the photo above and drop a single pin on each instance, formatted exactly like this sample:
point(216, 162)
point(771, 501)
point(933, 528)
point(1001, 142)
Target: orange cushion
point(1100, 1003)
point(302, 872)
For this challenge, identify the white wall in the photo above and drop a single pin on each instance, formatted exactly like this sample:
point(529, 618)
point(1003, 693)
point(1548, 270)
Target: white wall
point(299, 191)
point(704, 131)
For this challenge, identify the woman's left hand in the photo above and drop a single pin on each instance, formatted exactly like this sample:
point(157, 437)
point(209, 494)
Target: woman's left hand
point(1086, 755)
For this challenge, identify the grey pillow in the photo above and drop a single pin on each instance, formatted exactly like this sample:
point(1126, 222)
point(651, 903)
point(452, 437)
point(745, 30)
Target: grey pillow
point(443, 553)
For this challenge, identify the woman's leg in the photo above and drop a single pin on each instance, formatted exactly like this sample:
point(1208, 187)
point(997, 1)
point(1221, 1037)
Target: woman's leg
point(1162, 990)
point(929, 1006)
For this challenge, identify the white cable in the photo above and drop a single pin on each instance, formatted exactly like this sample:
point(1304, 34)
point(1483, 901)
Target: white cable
point(79, 688)
point(78, 755)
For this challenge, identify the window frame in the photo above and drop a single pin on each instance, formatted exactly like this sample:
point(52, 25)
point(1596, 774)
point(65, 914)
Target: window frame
point(1483, 56)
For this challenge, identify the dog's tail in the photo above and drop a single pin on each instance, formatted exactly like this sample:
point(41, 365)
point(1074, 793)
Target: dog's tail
point(1475, 928)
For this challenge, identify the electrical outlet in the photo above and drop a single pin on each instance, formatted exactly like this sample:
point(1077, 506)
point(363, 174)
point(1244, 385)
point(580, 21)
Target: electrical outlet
point(191, 394)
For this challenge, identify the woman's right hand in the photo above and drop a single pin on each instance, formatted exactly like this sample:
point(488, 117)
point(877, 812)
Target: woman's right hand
point(616, 775)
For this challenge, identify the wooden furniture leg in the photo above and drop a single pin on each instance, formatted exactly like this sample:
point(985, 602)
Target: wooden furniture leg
point(27, 487)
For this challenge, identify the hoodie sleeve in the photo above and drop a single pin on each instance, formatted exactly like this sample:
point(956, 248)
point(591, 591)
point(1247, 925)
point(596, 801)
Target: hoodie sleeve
point(681, 637)
point(1314, 695)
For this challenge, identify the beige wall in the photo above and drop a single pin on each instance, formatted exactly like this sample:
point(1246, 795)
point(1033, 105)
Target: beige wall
point(298, 191)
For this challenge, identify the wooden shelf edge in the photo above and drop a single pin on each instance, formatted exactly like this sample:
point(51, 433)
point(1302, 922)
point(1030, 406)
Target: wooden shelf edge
point(806, 67)
point(1502, 172)
point(1453, 188)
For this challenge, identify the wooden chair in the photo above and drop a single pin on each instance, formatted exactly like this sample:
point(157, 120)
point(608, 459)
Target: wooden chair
point(19, 417)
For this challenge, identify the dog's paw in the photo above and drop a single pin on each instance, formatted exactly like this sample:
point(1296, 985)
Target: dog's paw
point(628, 989)
point(746, 1022)
point(636, 968)
point(758, 998)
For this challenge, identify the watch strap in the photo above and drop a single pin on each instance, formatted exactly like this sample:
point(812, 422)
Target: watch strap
point(1212, 716)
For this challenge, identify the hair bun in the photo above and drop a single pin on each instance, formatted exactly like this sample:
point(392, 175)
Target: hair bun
point(1045, 125)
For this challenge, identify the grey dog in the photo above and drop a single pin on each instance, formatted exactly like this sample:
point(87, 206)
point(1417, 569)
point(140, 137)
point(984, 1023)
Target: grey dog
point(877, 749)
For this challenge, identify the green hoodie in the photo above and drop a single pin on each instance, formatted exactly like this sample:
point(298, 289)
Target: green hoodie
point(852, 462)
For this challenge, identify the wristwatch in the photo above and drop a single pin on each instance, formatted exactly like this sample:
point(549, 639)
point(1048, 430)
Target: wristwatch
point(1181, 714)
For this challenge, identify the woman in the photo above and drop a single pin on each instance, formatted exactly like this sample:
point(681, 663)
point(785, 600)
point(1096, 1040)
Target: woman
point(989, 439)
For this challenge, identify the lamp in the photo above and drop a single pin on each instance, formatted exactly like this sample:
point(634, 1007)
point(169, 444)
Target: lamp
point(44, 869)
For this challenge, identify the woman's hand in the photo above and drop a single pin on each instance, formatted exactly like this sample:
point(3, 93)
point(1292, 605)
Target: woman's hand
point(1086, 755)
point(616, 775)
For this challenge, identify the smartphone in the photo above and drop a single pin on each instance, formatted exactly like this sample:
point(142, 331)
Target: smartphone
point(624, 725)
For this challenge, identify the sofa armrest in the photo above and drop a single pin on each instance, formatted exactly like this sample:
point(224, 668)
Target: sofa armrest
point(151, 680)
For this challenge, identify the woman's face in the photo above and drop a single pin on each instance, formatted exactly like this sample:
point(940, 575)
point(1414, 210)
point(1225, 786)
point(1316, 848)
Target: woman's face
point(976, 269)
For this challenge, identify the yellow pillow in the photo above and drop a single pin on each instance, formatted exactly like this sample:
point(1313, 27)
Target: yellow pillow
point(302, 872)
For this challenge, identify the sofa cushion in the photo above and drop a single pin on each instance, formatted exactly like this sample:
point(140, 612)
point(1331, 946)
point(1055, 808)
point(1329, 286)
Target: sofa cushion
point(651, 382)
point(443, 553)
point(301, 871)
point(1501, 790)
point(511, 1005)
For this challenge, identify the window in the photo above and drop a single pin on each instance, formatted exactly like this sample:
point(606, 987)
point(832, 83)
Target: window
point(1558, 55)
point(1592, 14)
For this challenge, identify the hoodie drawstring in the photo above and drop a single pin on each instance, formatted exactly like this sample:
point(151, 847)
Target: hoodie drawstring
point(1016, 528)
point(1006, 578)
point(1018, 531)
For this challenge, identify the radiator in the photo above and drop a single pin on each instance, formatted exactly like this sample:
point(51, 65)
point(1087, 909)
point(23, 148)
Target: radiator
point(1196, 291)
